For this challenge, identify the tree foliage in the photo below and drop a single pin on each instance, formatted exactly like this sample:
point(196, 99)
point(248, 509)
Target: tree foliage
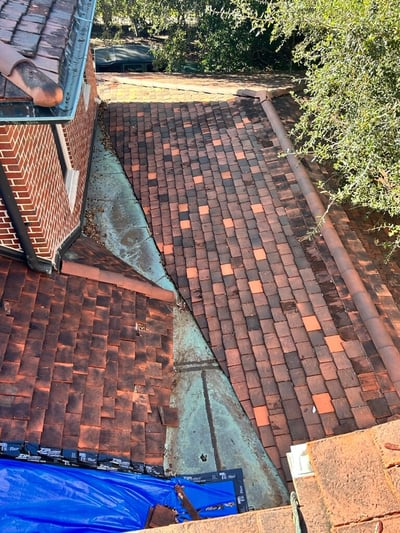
point(206, 31)
point(351, 52)
point(351, 113)
point(227, 42)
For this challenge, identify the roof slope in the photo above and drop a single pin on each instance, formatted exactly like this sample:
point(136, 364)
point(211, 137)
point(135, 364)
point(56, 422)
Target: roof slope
point(84, 364)
point(272, 305)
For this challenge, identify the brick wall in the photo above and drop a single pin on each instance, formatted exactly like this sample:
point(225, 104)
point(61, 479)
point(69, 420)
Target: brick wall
point(29, 156)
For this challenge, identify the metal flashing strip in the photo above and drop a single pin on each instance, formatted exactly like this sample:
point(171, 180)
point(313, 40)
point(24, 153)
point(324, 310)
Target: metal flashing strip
point(71, 79)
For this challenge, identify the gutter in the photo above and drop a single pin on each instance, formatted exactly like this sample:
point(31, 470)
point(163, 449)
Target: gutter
point(361, 297)
point(33, 261)
point(78, 53)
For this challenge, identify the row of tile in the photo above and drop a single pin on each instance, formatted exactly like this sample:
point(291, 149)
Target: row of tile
point(228, 216)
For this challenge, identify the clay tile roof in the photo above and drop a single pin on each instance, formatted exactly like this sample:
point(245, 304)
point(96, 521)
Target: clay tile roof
point(86, 251)
point(84, 364)
point(88, 259)
point(54, 36)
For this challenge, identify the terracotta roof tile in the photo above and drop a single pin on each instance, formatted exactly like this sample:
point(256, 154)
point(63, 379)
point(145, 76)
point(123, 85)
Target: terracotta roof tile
point(71, 361)
point(253, 287)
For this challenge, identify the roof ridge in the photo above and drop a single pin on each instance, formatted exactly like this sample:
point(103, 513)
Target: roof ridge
point(23, 72)
point(143, 286)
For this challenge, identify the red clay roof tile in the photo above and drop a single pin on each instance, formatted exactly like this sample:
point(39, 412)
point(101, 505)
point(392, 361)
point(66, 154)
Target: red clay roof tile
point(71, 361)
point(252, 286)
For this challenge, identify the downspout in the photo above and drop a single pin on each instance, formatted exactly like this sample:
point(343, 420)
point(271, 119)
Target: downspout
point(10, 203)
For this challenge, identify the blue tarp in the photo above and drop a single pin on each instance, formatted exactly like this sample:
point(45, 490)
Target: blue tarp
point(43, 498)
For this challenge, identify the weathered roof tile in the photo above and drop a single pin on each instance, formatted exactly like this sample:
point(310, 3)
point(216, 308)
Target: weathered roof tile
point(249, 264)
point(26, 41)
point(69, 368)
